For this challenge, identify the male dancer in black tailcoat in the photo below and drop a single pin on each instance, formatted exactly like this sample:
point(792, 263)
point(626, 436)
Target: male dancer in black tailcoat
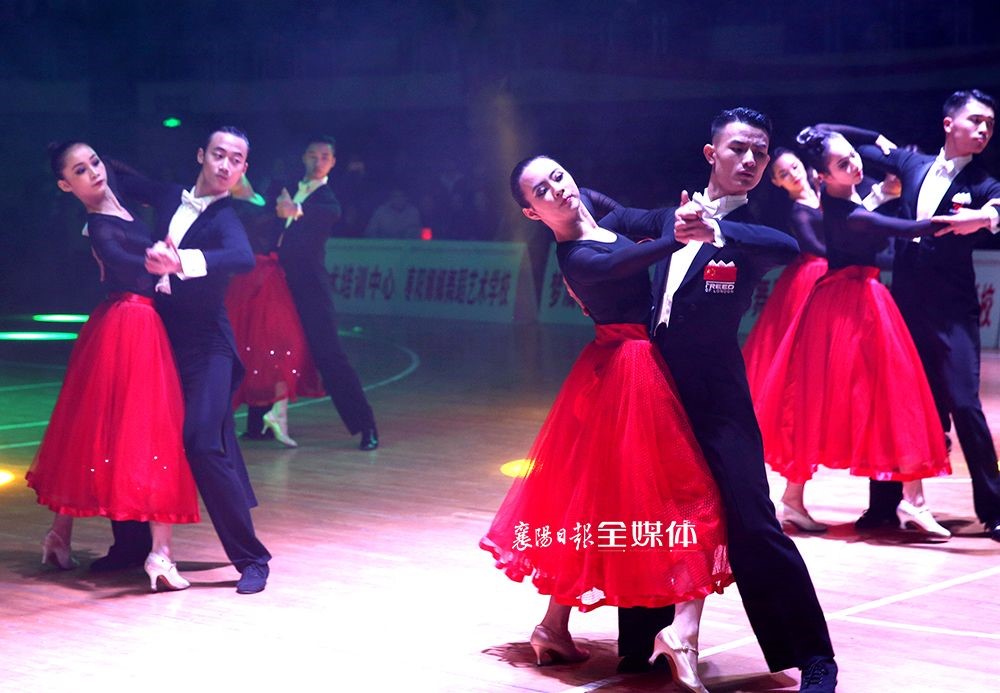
point(202, 244)
point(701, 293)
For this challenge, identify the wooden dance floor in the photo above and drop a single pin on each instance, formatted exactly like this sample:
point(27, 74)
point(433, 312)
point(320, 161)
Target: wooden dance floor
point(377, 581)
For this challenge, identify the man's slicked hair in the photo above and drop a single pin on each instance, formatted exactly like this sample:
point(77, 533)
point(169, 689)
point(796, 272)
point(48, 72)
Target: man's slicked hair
point(954, 103)
point(323, 139)
point(229, 130)
point(741, 114)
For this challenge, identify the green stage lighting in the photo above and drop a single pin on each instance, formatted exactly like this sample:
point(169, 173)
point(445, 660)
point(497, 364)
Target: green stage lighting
point(171, 122)
point(59, 317)
point(37, 336)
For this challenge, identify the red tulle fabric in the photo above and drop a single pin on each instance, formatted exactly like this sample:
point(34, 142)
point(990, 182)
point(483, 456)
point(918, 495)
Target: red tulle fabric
point(114, 443)
point(787, 298)
point(616, 448)
point(847, 389)
point(269, 337)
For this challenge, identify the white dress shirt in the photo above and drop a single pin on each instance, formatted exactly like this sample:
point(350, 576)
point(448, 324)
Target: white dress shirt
point(939, 178)
point(192, 260)
point(306, 188)
point(936, 183)
point(877, 197)
point(680, 261)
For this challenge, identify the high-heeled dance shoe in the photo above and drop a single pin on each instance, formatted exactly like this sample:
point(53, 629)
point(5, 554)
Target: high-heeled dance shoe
point(277, 420)
point(162, 572)
point(683, 660)
point(802, 520)
point(922, 518)
point(55, 552)
point(551, 650)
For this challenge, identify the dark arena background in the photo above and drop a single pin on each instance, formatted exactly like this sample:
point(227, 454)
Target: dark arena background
point(461, 333)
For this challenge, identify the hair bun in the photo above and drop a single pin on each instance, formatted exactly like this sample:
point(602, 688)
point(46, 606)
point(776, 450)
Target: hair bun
point(809, 136)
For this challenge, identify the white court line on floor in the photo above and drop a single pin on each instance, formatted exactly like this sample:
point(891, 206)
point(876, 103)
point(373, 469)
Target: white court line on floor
point(594, 685)
point(847, 614)
point(26, 424)
point(412, 366)
point(15, 388)
point(918, 592)
point(921, 628)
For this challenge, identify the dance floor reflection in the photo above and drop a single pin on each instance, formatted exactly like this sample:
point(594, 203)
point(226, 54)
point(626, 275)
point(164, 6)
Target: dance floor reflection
point(377, 580)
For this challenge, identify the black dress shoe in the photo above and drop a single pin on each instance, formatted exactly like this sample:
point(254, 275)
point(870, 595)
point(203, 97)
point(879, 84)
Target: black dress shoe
point(118, 560)
point(253, 579)
point(819, 675)
point(876, 520)
point(993, 530)
point(369, 439)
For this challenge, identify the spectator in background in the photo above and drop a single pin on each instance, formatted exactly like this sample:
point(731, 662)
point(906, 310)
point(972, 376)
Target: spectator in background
point(397, 217)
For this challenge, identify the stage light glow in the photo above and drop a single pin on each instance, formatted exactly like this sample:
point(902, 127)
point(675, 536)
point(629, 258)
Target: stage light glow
point(5, 477)
point(59, 317)
point(515, 468)
point(37, 336)
point(171, 122)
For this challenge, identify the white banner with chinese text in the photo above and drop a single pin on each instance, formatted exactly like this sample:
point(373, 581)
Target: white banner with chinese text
point(464, 280)
point(986, 262)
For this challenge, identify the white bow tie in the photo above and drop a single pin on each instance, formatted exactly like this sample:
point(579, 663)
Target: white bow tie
point(944, 167)
point(711, 207)
point(198, 203)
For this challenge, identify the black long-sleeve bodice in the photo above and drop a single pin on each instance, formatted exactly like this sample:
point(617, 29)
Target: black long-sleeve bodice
point(806, 226)
point(612, 279)
point(120, 246)
point(855, 236)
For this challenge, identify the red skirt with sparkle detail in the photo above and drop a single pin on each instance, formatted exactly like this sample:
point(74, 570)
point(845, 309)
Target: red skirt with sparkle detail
point(269, 337)
point(847, 389)
point(618, 505)
point(789, 295)
point(114, 443)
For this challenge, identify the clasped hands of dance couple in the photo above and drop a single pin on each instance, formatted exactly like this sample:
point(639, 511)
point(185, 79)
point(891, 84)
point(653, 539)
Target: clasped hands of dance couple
point(162, 258)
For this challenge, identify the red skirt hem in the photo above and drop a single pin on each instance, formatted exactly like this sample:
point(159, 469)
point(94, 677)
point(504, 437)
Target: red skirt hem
point(545, 585)
point(615, 454)
point(117, 515)
point(114, 444)
point(847, 389)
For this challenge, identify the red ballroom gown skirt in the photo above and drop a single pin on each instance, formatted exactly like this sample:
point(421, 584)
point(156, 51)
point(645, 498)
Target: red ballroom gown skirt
point(847, 389)
point(114, 445)
point(618, 505)
point(789, 295)
point(269, 337)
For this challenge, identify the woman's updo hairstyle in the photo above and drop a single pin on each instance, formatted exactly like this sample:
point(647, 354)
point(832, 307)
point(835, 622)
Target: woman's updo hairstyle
point(57, 155)
point(814, 145)
point(515, 179)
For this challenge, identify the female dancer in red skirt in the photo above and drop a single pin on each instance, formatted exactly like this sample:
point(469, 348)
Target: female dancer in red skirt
point(615, 474)
point(113, 446)
point(846, 389)
point(269, 336)
point(805, 223)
